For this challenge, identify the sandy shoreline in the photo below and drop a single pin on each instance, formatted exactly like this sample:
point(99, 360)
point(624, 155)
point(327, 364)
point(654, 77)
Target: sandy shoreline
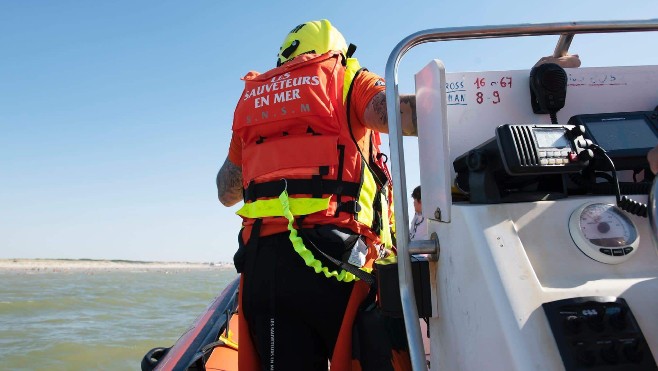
point(69, 265)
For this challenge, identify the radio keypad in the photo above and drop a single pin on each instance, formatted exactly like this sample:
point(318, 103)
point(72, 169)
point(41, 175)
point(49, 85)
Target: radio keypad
point(555, 156)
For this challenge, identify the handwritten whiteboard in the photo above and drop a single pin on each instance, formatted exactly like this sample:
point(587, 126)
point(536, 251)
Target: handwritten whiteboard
point(477, 102)
point(463, 109)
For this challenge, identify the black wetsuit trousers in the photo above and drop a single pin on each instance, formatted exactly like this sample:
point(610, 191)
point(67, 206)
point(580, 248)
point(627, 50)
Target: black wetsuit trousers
point(294, 314)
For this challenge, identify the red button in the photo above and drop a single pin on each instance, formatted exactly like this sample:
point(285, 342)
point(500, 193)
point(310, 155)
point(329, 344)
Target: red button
point(573, 157)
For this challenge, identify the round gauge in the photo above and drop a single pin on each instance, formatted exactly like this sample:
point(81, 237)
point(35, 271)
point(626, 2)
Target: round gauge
point(604, 232)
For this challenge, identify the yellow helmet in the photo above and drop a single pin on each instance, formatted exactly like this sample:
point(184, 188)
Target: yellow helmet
point(311, 37)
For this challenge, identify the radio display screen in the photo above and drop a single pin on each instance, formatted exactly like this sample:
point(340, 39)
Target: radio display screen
point(616, 134)
point(548, 138)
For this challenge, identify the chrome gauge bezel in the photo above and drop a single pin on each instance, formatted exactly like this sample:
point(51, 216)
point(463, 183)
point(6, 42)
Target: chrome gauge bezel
point(608, 252)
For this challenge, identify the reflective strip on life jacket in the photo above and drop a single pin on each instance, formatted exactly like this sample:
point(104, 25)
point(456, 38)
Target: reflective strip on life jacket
point(352, 66)
point(367, 198)
point(274, 207)
point(385, 234)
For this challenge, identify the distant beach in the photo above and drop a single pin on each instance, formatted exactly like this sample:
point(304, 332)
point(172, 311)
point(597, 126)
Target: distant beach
point(89, 265)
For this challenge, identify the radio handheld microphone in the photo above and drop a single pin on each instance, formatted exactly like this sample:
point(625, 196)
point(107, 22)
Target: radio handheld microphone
point(548, 88)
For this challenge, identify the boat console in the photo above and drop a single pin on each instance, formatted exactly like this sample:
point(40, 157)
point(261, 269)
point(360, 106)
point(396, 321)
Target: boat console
point(536, 186)
point(536, 189)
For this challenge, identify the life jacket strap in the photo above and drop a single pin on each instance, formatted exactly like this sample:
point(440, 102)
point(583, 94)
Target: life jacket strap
point(301, 186)
point(351, 207)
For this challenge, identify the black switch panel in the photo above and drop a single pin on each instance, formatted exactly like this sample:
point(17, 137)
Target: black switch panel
point(598, 333)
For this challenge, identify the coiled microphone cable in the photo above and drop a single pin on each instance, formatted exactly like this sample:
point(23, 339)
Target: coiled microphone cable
point(625, 203)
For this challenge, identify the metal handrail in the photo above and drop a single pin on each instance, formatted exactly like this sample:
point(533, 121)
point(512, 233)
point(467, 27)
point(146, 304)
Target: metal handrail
point(563, 45)
point(567, 30)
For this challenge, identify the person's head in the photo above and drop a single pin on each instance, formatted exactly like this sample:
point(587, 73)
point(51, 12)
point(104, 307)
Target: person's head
point(418, 206)
point(316, 37)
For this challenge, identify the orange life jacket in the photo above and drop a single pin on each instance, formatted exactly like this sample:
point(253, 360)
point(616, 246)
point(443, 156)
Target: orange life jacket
point(293, 122)
point(295, 132)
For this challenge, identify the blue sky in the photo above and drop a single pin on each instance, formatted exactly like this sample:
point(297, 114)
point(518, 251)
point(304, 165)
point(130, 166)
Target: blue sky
point(116, 115)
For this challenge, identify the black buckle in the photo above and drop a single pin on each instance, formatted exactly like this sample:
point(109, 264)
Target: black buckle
point(352, 207)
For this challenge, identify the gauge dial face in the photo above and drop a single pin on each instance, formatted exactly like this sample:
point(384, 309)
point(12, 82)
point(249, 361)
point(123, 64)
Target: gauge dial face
point(604, 225)
point(604, 232)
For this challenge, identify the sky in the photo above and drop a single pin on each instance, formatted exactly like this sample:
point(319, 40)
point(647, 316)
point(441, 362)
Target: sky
point(116, 115)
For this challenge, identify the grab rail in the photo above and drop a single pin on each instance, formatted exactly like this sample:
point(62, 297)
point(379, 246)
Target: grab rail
point(567, 30)
point(563, 45)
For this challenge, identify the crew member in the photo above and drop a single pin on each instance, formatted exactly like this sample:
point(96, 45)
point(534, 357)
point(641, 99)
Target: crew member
point(418, 226)
point(305, 158)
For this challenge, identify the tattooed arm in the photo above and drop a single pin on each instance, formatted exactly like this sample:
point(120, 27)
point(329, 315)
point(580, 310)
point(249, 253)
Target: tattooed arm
point(229, 183)
point(376, 117)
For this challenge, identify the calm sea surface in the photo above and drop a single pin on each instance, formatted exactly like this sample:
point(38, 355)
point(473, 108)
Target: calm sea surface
point(105, 320)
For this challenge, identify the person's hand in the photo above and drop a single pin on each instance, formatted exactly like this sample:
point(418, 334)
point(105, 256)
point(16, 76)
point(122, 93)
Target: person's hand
point(652, 157)
point(567, 61)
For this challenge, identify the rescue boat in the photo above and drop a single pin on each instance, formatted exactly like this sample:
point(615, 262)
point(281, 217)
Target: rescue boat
point(541, 212)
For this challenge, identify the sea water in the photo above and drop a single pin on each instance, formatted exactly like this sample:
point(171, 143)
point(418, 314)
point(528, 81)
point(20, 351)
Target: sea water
point(98, 320)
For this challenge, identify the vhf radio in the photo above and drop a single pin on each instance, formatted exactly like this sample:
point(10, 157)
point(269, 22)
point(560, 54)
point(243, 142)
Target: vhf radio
point(542, 149)
point(523, 163)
